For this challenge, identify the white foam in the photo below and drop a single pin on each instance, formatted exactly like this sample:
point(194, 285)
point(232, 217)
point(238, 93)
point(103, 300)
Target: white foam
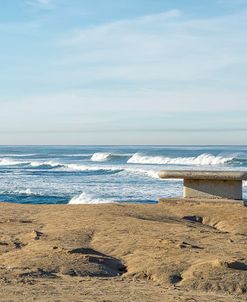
point(203, 159)
point(104, 156)
point(13, 162)
point(77, 155)
point(101, 156)
point(84, 198)
point(10, 162)
point(77, 167)
point(26, 192)
point(17, 155)
point(150, 173)
point(37, 164)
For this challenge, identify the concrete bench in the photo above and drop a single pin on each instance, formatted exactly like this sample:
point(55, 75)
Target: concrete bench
point(209, 184)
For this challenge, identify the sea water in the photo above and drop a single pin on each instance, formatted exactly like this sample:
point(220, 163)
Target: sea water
point(102, 174)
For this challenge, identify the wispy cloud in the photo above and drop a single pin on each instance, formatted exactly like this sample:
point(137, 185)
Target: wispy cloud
point(41, 4)
point(165, 47)
point(123, 26)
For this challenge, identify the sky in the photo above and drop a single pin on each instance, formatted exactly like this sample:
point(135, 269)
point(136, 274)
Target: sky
point(123, 72)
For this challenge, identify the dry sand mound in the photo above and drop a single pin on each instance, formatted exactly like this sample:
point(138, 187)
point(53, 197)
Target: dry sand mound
point(175, 251)
point(33, 255)
point(217, 275)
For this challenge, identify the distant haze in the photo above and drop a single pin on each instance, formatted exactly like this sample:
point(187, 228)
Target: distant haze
point(123, 72)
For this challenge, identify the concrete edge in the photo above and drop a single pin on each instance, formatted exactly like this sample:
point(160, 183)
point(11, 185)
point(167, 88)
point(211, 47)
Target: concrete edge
point(203, 200)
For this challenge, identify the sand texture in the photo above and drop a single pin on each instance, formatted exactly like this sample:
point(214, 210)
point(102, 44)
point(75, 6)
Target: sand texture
point(173, 251)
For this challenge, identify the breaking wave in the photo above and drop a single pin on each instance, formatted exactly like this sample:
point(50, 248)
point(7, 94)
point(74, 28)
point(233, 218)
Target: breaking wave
point(203, 159)
point(11, 162)
point(16, 155)
point(105, 156)
point(77, 167)
point(22, 192)
point(46, 164)
point(63, 167)
point(26, 192)
point(137, 158)
point(110, 169)
point(77, 155)
point(34, 164)
point(84, 198)
point(101, 156)
point(149, 173)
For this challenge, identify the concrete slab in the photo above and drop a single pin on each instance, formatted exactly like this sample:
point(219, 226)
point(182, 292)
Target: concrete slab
point(214, 175)
point(175, 200)
point(209, 184)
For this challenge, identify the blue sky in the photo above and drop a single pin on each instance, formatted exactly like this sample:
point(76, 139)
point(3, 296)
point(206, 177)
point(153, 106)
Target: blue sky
point(123, 72)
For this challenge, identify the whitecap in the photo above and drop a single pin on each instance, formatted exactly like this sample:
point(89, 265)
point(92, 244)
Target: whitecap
point(26, 192)
point(17, 154)
point(203, 159)
point(37, 164)
point(104, 156)
point(150, 173)
point(84, 198)
point(77, 167)
point(10, 162)
point(101, 156)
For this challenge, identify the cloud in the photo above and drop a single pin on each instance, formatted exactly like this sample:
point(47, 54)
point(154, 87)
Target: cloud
point(168, 48)
point(123, 26)
point(40, 4)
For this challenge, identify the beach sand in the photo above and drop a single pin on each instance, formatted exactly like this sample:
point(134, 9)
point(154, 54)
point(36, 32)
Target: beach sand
point(116, 252)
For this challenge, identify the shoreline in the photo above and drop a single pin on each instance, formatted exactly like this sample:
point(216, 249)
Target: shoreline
point(124, 252)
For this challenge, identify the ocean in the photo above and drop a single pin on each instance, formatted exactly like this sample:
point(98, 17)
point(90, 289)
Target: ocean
point(102, 174)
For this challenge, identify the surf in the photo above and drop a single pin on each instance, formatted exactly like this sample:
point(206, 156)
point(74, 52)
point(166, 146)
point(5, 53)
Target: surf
point(203, 159)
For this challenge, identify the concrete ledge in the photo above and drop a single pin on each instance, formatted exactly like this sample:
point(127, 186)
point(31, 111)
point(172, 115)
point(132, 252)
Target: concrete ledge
point(209, 184)
point(208, 175)
point(201, 201)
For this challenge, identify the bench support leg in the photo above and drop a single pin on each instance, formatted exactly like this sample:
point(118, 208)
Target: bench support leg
point(197, 188)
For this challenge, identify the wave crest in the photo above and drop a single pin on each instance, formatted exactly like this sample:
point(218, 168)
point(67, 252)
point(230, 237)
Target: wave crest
point(101, 156)
point(149, 173)
point(76, 167)
point(203, 159)
point(50, 164)
point(10, 162)
point(105, 156)
point(84, 198)
point(26, 192)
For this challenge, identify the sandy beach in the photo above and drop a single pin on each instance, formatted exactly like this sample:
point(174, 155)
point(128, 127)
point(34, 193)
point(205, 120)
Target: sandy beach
point(173, 251)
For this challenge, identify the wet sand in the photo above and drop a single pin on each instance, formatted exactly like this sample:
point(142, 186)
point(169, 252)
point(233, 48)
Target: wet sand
point(174, 251)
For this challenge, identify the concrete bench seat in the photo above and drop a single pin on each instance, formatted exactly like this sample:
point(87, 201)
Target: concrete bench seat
point(209, 184)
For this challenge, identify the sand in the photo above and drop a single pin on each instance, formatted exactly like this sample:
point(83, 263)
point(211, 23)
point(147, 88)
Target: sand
point(173, 251)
